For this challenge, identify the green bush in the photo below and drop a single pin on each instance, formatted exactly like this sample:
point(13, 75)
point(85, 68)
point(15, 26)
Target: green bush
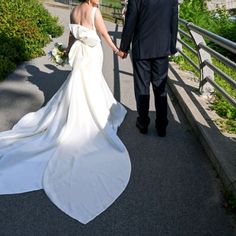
point(195, 11)
point(25, 28)
point(5, 66)
point(217, 21)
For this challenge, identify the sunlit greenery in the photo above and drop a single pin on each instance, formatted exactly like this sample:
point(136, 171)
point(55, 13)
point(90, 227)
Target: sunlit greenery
point(25, 28)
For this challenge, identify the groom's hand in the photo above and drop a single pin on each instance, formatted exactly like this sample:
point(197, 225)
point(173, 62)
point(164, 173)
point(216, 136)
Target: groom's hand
point(123, 54)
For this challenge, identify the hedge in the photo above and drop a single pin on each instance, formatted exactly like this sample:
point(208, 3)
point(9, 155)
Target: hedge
point(25, 28)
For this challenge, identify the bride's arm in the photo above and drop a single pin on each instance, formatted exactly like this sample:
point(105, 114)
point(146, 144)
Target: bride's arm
point(101, 28)
point(71, 38)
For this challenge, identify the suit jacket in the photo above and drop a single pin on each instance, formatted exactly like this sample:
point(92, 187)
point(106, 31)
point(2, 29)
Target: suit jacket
point(151, 26)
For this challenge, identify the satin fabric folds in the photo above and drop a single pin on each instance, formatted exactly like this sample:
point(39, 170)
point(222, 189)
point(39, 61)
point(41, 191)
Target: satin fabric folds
point(69, 147)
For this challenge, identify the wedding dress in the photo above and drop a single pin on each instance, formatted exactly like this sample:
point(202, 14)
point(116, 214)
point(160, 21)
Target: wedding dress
point(69, 147)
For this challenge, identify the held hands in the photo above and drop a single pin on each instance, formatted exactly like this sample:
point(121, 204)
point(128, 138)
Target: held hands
point(121, 54)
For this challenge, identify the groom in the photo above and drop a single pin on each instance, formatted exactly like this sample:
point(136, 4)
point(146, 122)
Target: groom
point(151, 25)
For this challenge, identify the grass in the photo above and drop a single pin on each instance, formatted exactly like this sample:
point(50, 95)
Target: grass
point(227, 122)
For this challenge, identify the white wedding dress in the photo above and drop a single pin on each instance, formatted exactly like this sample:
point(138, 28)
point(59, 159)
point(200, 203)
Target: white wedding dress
point(69, 147)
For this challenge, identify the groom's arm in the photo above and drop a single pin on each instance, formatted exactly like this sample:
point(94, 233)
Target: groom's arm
point(174, 27)
point(130, 24)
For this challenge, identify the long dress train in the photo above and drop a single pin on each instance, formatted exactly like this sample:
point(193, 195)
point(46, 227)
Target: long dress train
point(69, 147)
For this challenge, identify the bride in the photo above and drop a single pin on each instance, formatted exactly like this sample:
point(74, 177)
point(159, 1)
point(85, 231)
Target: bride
point(69, 147)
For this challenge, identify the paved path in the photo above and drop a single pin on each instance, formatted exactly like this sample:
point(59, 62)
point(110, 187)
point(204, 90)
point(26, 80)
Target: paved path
point(173, 189)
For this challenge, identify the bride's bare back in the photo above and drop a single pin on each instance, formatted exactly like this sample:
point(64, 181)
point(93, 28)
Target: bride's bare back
point(81, 15)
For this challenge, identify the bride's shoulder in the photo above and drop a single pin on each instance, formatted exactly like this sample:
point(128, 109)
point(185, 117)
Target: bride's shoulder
point(76, 8)
point(75, 12)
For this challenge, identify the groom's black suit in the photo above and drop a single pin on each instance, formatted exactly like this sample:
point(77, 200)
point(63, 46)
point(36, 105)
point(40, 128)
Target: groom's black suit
point(151, 26)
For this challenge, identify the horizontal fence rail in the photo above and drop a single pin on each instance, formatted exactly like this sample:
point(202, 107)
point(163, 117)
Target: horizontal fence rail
point(223, 42)
point(110, 11)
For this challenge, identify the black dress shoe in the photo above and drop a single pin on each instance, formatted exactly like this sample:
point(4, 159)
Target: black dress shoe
point(161, 131)
point(161, 128)
point(143, 129)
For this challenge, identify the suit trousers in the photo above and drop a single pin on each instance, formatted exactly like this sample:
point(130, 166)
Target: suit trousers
point(151, 71)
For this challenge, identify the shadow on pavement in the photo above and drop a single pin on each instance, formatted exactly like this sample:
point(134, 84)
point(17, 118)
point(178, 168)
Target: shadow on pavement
point(48, 83)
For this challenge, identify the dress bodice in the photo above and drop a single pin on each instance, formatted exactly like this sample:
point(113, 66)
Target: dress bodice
point(85, 35)
point(86, 39)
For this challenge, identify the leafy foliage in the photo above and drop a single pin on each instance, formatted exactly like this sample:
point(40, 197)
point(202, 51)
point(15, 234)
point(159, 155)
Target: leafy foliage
point(195, 11)
point(217, 21)
point(25, 28)
point(6, 65)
